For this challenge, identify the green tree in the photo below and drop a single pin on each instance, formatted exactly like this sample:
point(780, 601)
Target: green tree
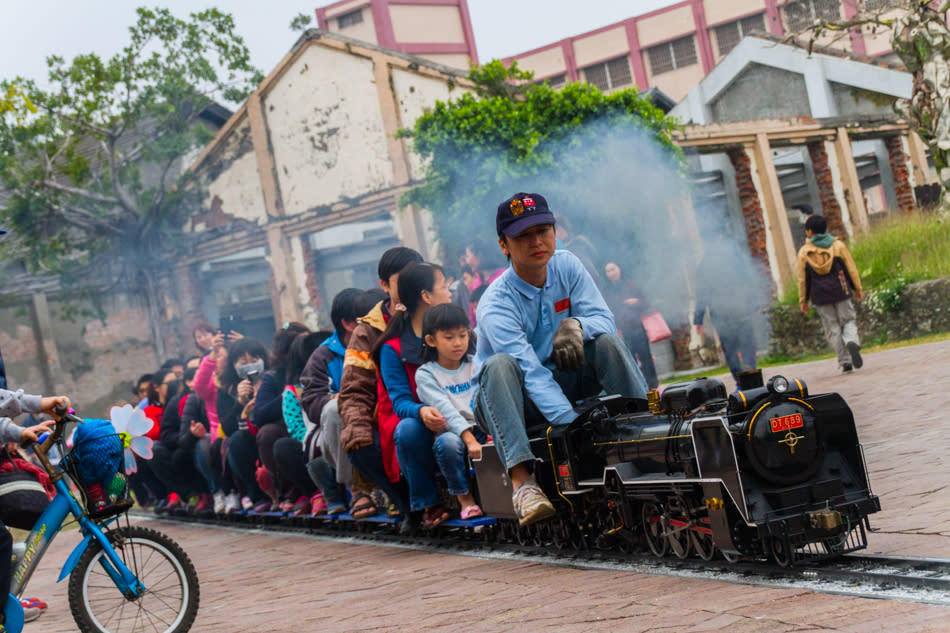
point(95, 177)
point(920, 38)
point(510, 135)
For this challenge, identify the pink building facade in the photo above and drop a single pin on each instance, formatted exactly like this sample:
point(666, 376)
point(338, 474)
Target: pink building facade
point(673, 48)
point(439, 30)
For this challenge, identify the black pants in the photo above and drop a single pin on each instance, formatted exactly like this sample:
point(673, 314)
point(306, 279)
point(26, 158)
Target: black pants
point(292, 469)
point(6, 553)
point(639, 345)
point(145, 484)
point(177, 471)
point(266, 437)
point(242, 457)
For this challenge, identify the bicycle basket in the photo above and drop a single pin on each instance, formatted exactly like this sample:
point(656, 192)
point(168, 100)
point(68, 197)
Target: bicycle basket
point(96, 464)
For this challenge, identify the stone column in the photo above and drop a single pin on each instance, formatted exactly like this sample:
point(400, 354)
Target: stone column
point(752, 215)
point(830, 208)
point(902, 189)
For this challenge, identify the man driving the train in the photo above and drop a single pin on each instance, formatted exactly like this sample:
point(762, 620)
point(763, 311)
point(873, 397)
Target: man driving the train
point(546, 339)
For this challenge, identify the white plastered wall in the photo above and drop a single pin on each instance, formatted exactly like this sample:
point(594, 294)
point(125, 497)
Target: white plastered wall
point(326, 130)
point(238, 185)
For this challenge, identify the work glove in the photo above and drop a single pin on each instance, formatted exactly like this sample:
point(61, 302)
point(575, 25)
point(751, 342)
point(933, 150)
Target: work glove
point(567, 350)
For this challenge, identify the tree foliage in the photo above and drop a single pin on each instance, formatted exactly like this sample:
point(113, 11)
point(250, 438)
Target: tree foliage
point(95, 177)
point(919, 36)
point(512, 135)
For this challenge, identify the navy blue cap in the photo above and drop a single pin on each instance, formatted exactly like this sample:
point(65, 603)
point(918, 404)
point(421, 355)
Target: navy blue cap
point(522, 211)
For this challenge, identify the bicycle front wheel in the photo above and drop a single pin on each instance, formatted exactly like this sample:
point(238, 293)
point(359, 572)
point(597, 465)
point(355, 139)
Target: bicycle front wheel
point(169, 604)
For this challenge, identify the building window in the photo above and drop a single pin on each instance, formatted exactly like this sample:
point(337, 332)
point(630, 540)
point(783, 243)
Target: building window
point(801, 14)
point(349, 19)
point(556, 81)
point(672, 55)
point(610, 74)
point(729, 35)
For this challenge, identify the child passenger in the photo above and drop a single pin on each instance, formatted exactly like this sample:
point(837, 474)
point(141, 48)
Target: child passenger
point(446, 383)
point(413, 425)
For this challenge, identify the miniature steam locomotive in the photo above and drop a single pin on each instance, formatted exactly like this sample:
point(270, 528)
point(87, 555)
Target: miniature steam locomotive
point(767, 471)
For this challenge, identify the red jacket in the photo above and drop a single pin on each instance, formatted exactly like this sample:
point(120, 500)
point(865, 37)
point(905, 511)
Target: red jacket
point(388, 420)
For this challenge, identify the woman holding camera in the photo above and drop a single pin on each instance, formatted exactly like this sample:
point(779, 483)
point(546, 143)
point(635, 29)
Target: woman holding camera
point(238, 383)
point(268, 418)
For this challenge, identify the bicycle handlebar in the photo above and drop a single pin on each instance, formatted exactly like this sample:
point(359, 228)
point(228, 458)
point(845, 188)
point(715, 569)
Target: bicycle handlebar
point(41, 449)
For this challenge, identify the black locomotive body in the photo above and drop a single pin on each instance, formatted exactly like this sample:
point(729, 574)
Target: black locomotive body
point(766, 471)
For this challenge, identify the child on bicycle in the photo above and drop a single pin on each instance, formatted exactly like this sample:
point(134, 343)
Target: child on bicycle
point(13, 403)
point(445, 382)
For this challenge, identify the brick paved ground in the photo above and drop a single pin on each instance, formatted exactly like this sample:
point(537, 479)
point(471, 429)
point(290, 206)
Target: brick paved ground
point(311, 585)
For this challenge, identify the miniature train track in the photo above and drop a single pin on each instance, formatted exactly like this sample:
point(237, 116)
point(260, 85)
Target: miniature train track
point(923, 580)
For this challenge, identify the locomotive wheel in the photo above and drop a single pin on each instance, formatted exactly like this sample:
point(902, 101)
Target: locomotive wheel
point(680, 541)
point(653, 523)
point(703, 544)
point(782, 553)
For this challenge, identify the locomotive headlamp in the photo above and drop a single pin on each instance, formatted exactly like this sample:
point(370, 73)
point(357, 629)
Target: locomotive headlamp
point(778, 384)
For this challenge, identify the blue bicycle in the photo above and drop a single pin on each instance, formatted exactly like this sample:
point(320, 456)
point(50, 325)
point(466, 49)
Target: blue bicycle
point(122, 578)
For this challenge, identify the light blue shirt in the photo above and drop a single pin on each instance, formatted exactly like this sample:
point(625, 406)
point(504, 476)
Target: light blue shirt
point(519, 319)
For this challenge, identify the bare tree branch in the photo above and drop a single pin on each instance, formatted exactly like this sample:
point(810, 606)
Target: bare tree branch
point(82, 193)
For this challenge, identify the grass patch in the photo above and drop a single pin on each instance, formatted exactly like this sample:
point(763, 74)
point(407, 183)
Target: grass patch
point(902, 249)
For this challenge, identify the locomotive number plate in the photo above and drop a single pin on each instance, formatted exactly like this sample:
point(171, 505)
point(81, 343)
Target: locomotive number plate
point(787, 422)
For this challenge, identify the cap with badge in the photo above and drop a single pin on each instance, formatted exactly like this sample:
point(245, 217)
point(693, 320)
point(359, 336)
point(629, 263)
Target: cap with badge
point(522, 211)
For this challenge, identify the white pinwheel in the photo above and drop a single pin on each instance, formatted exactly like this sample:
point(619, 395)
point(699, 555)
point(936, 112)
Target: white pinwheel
point(132, 425)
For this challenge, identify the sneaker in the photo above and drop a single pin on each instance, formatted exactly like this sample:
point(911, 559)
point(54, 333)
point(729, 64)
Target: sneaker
point(161, 506)
point(286, 505)
point(232, 502)
point(174, 501)
point(220, 502)
point(847, 368)
point(855, 350)
point(246, 503)
point(531, 504)
point(204, 502)
point(32, 608)
point(262, 506)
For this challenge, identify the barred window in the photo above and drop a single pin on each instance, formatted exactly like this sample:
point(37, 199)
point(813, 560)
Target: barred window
point(672, 55)
point(349, 19)
point(661, 59)
point(801, 14)
point(555, 81)
point(729, 35)
point(614, 73)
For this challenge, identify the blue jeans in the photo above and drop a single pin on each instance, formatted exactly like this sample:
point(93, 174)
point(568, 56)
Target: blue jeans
point(735, 344)
point(504, 408)
point(369, 461)
point(419, 450)
point(203, 463)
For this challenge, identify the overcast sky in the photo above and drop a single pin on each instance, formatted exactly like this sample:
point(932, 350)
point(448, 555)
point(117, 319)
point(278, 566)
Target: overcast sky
point(32, 29)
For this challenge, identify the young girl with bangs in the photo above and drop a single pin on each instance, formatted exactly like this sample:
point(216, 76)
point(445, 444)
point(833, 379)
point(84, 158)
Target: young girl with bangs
point(446, 382)
point(408, 428)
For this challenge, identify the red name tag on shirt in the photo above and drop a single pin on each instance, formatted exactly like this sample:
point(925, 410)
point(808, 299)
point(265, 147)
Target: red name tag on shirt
point(562, 305)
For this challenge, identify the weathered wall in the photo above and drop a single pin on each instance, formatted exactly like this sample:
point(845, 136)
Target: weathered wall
point(416, 94)
point(326, 130)
point(925, 310)
point(92, 361)
point(232, 184)
point(752, 96)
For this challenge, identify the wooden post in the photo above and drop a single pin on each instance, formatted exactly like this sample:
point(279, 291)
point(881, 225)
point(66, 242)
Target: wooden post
point(779, 229)
point(918, 159)
point(853, 194)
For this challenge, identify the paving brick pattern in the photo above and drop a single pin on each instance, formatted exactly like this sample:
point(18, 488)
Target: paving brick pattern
point(252, 581)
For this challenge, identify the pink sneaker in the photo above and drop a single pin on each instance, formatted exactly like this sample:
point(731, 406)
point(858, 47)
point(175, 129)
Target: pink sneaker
point(318, 505)
point(301, 507)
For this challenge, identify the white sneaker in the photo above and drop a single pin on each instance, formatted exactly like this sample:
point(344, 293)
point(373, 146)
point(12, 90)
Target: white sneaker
point(246, 503)
point(232, 503)
point(220, 502)
point(531, 504)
